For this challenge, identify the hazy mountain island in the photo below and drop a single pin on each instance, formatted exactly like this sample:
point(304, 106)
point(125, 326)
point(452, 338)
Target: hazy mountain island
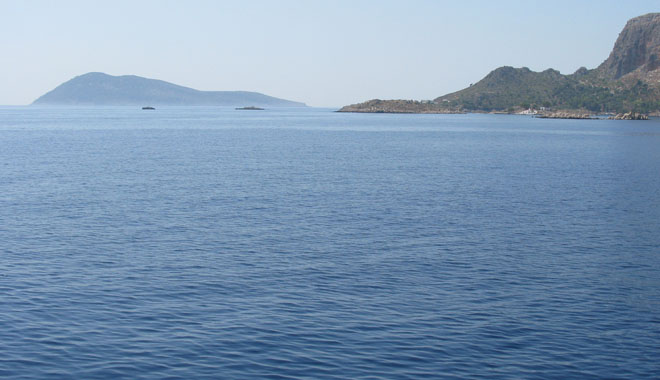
point(104, 89)
point(628, 81)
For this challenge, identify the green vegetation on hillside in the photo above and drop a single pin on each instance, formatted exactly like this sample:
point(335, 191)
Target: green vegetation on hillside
point(508, 89)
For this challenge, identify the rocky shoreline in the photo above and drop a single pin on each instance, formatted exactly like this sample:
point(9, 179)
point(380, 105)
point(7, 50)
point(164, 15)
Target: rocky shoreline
point(587, 116)
point(565, 115)
point(427, 107)
point(629, 116)
point(398, 106)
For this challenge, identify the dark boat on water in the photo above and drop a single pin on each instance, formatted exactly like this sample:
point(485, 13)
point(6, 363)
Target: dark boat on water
point(250, 108)
point(148, 108)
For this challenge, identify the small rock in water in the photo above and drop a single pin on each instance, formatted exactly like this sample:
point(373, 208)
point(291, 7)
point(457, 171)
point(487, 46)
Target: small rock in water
point(629, 116)
point(565, 115)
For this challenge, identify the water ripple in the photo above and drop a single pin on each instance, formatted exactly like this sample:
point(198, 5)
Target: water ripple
point(316, 252)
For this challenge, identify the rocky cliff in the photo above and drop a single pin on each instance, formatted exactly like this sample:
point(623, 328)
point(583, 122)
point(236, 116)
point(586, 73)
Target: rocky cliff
point(628, 80)
point(637, 50)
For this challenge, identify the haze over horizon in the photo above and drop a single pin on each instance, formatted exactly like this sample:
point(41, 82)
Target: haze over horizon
point(325, 54)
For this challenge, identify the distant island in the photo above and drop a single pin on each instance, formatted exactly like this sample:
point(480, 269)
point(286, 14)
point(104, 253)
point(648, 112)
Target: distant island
point(104, 89)
point(628, 81)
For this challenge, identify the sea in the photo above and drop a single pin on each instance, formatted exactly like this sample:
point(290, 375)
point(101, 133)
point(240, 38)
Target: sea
point(212, 243)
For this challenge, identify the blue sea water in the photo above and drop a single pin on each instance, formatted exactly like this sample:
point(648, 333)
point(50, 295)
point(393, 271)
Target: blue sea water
point(205, 243)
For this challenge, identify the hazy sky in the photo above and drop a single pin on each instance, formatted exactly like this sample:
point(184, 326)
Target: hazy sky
point(324, 53)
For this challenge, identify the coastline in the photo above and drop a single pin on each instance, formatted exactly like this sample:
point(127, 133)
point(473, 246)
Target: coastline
point(428, 107)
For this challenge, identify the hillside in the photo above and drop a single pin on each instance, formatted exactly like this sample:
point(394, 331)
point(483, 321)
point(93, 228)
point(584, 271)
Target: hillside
point(103, 89)
point(628, 80)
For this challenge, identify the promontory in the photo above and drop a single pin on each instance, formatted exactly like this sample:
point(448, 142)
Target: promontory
point(627, 81)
